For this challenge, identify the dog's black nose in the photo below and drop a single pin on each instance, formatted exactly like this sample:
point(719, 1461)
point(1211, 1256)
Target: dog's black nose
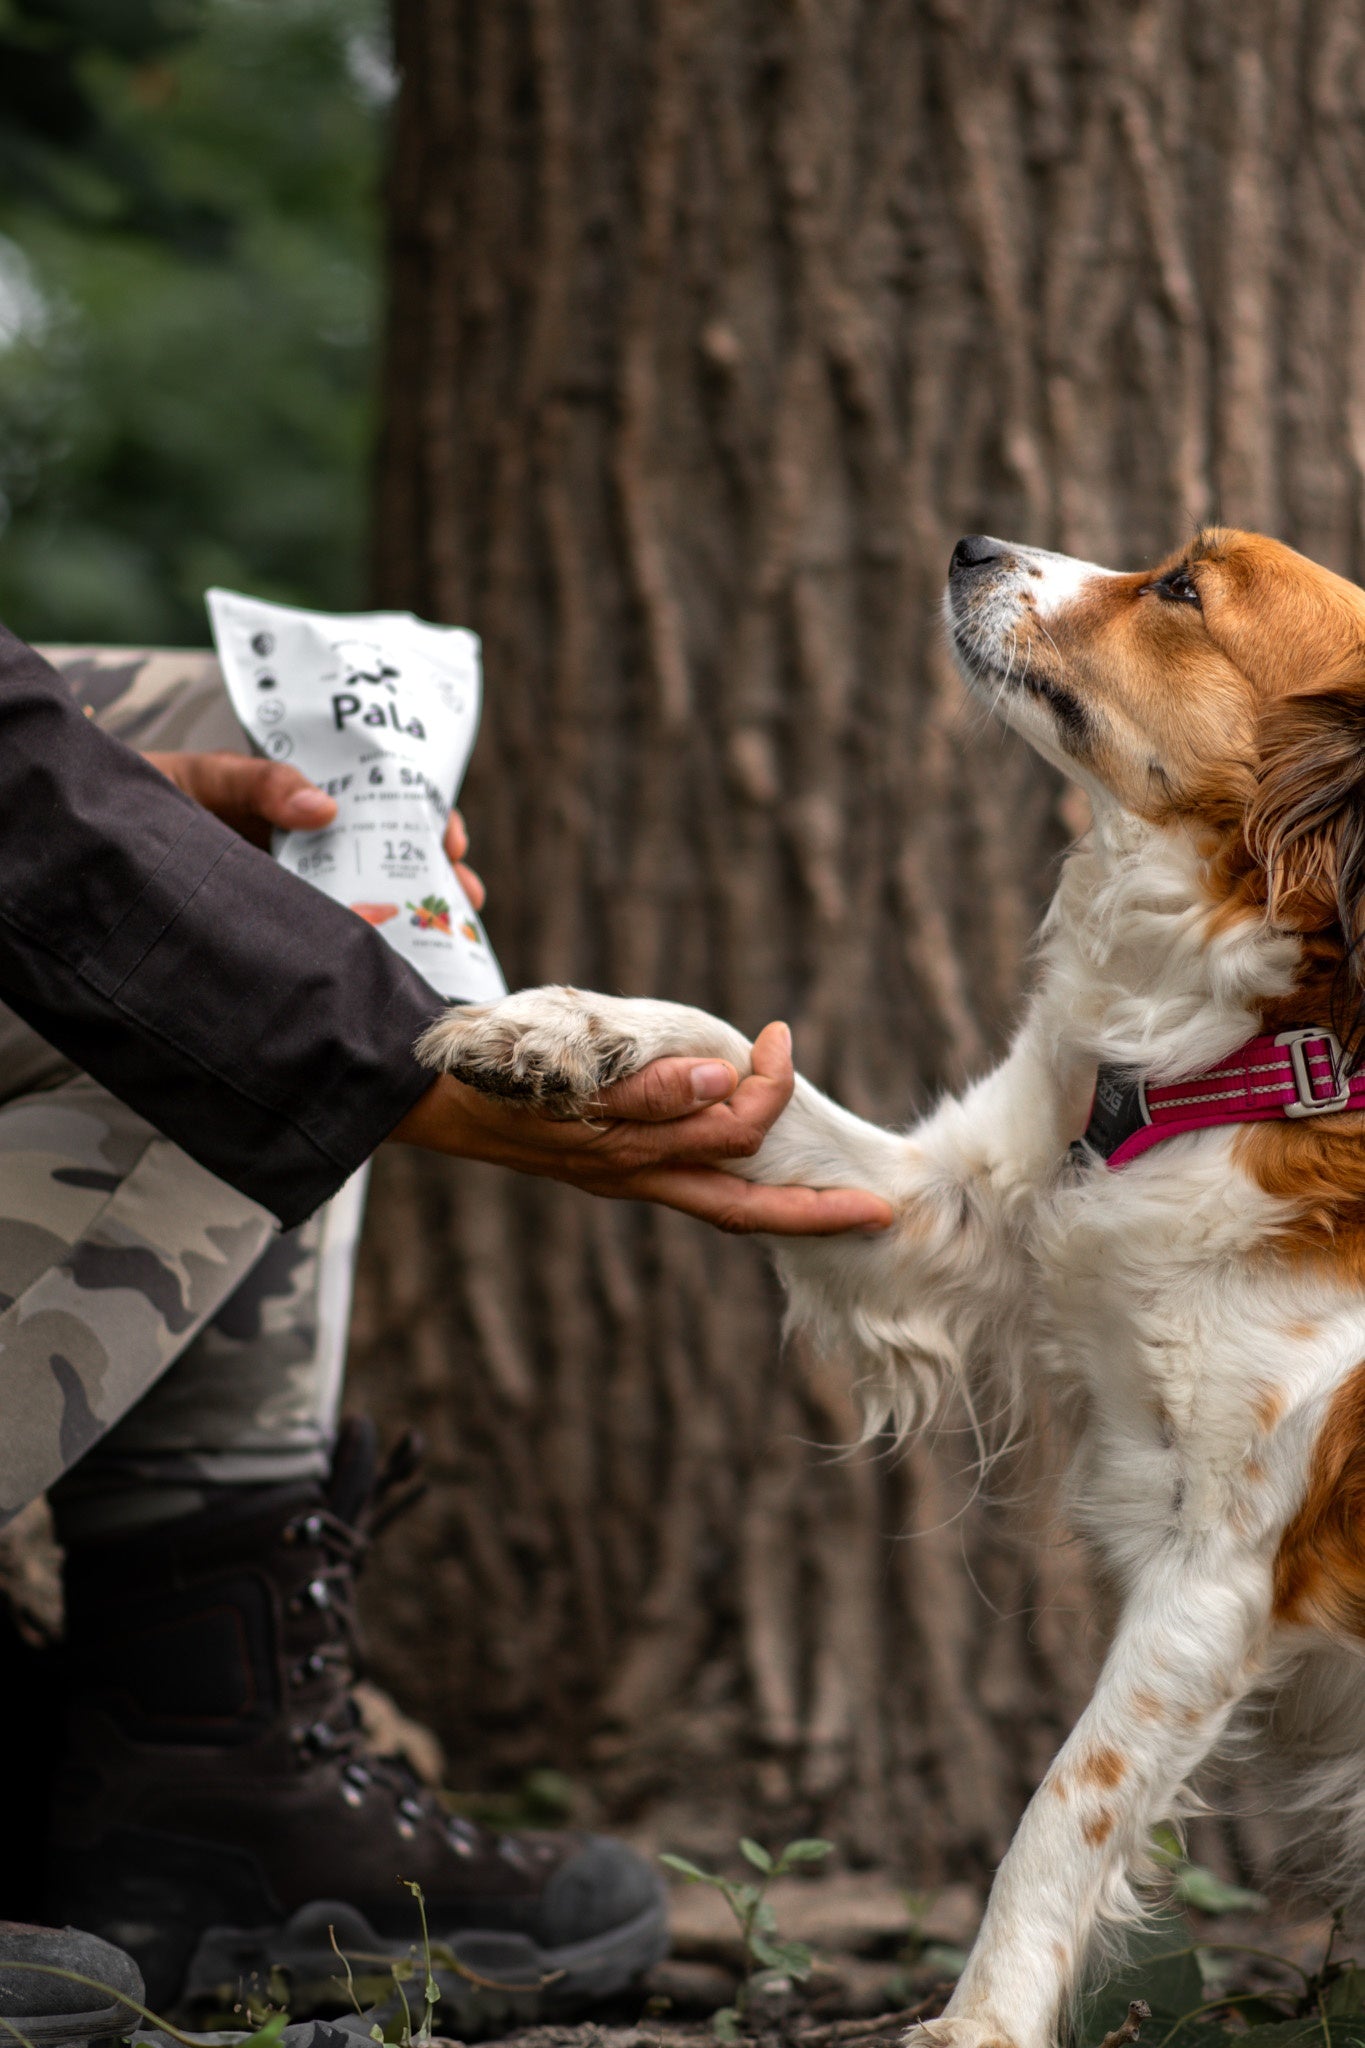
point(974, 551)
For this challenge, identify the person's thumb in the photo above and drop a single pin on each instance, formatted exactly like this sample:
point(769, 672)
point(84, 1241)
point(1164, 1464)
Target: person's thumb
point(288, 799)
point(669, 1088)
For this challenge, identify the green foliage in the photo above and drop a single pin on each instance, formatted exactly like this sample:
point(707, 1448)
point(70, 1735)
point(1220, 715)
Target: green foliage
point(188, 307)
point(543, 1798)
point(1199, 1888)
point(58, 146)
point(431, 1995)
point(1173, 1974)
point(768, 1959)
point(1193, 1886)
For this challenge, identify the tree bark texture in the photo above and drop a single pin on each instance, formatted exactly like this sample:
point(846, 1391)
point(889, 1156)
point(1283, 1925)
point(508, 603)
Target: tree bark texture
point(713, 323)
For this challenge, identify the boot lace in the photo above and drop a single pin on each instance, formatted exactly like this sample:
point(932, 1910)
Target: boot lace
point(336, 1732)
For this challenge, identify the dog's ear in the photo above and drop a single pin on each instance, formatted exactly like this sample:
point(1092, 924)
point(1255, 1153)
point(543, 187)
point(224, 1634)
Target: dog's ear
point(1306, 829)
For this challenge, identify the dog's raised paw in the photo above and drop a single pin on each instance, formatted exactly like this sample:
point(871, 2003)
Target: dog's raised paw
point(552, 1046)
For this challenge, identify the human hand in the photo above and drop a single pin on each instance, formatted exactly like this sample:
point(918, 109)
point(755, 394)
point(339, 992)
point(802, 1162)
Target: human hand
point(254, 795)
point(663, 1136)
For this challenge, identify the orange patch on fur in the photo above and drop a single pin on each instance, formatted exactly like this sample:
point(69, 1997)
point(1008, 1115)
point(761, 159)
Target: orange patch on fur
point(1270, 1403)
point(1103, 1767)
point(1254, 1470)
point(1302, 1332)
point(1320, 1172)
point(1290, 846)
point(1147, 1706)
point(1320, 1564)
point(1057, 1785)
point(1097, 1831)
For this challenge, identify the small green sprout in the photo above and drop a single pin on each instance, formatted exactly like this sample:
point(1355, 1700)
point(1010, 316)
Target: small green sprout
point(768, 1960)
point(1192, 1885)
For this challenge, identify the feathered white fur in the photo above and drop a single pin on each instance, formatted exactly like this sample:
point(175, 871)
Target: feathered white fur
point(1141, 1293)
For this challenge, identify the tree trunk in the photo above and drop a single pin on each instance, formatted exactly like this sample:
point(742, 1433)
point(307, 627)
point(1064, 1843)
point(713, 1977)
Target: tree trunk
point(713, 323)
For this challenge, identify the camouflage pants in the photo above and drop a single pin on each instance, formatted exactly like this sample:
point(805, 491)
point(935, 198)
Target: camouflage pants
point(159, 1336)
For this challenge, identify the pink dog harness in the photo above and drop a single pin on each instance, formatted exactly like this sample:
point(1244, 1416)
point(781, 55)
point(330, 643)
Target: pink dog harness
point(1293, 1074)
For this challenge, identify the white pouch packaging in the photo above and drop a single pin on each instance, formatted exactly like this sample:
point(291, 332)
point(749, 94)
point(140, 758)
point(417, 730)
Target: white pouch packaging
point(380, 710)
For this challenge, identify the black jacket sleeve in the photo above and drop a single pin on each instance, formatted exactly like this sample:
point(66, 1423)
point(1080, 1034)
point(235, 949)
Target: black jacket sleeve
point(264, 1028)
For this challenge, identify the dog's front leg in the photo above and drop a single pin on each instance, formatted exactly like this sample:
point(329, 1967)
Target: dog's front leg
point(904, 1309)
point(1189, 1644)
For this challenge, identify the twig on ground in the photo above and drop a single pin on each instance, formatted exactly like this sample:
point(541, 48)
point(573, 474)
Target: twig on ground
point(872, 2024)
point(1130, 2028)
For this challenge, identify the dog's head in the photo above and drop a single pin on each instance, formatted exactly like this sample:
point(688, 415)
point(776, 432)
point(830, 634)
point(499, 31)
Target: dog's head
point(1221, 693)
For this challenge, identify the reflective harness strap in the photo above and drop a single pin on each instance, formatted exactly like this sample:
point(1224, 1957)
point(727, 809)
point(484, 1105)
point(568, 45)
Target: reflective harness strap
point(1293, 1074)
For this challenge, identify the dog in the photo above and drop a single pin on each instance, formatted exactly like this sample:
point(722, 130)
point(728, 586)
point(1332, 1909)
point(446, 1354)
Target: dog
point(1154, 1207)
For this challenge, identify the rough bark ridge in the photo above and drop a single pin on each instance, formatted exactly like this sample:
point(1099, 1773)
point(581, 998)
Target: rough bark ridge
point(713, 323)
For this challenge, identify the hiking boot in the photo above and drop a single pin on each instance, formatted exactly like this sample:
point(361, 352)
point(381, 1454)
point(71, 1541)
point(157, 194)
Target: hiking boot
point(217, 1812)
point(39, 2003)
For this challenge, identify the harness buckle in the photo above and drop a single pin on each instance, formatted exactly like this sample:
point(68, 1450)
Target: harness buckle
point(1309, 1103)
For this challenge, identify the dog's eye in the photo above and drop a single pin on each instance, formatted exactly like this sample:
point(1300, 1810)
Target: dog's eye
point(1177, 588)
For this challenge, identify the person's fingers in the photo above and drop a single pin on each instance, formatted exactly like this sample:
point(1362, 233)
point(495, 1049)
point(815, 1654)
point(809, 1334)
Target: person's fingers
point(284, 797)
point(456, 844)
point(743, 1206)
point(680, 1085)
point(248, 793)
point(772, 1056)
point(472, 884)
point(669, 1088)
point(760, 1098)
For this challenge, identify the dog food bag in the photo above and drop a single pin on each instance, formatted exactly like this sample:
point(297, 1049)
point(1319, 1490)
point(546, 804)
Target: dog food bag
point(380, 710)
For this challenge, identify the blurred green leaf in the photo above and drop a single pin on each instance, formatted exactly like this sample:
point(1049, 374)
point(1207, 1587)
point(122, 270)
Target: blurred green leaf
point(943, 1960)
point(1194, 1886)
point(1345, 1995)
point(549, 1795)
point(809, 1849)
point(787, 1958)
point(268, 2033)
point(691, 1871)
point(756, 1854)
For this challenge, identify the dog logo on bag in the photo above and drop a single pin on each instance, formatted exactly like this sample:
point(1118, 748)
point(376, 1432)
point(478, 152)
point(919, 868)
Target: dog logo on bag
point(364, 662)
point(365, 666)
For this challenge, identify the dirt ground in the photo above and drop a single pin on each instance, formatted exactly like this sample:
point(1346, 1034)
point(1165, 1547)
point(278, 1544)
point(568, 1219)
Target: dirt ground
point(884, 1957)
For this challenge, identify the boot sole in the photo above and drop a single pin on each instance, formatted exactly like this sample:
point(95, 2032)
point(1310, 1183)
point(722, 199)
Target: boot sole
point(512, 1980)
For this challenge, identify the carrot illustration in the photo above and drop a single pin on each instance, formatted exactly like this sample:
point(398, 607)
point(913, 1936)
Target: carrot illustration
point(375, 913)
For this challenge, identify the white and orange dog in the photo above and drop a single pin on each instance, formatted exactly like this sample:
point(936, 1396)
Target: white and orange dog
point(1191, 1277)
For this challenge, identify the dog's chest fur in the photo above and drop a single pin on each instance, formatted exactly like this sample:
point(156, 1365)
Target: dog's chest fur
point(1192, 1361)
